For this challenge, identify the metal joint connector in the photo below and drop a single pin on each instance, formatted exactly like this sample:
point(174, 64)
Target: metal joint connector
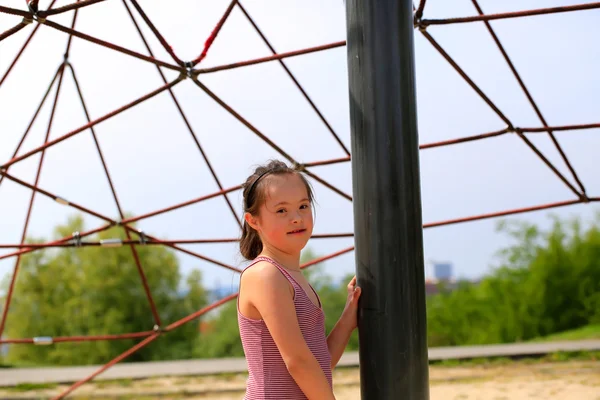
point(62, 201)
point(77, 239)
point(111, 243)
point(299, 167)
point(43, 341)
point(419, 24)
point(183, 75)
point(143, 238)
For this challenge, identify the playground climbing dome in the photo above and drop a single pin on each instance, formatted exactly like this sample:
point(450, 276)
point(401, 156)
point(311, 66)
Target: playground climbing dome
point(31, 20)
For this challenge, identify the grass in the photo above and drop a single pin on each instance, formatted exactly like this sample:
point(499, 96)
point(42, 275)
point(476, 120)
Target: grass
point(552, 357)
point(583, 333)
point(26, 387)
point(124, 382)
point(587, 332)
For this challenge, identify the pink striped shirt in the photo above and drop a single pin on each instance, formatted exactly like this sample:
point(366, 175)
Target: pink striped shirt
point(268, 377)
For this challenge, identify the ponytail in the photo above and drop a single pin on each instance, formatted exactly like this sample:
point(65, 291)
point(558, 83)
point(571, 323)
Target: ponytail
point(250, 243)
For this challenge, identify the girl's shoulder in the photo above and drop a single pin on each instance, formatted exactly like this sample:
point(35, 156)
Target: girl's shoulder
point(263, 275)
point(261, 268)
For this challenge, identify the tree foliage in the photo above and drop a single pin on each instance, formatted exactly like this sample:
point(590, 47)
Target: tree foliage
point(93, 291)
point(547, 282)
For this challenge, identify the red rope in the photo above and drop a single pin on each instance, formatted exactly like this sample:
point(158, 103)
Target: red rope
point(112, 223)
point(419, 11)
point(23, 47)
point(90, 124)
point(35, 115)
point(327, 184)
point(19, 54)
point(530, 98)
point(180, 109)
point(214, 33)
point(114, 361)
point(13, 30)
point(327, 162)
point(244, 121)
point(518, 14)
point(160, 37)
point(503, 213)
point(69, 7)
point(30, 249)
point(14, 11)
point(118, 203)
point(67, 339)
point(15, 272)
point(180, 205)
point(561, 128)
point(261, 60)
point(464, 139)
point(293, 78)
point(489, 102)
point(110, 45)
point(149, 242)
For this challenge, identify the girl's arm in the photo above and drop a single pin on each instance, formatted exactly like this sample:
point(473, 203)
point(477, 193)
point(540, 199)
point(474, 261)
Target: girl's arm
point(340, 334)
point(338, 340)
point(269, 292)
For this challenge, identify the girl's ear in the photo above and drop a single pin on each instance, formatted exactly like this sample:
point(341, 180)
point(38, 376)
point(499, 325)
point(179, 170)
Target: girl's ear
point(251, 220)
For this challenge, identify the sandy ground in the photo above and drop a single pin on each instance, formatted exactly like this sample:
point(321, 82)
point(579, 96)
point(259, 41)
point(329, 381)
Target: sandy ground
point(564, 381)
point(576, 380)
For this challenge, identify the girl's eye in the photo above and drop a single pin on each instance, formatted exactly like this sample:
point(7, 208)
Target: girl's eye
point(281, 210)
point(304, 207)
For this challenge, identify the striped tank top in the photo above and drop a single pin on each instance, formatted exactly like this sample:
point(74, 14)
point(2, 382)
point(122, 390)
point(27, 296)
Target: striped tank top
point(268, 377)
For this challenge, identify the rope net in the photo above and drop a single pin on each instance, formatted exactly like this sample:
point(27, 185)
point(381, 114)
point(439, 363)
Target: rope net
point(30, 18)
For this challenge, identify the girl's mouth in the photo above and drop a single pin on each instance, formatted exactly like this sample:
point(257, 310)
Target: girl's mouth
point(296, 231)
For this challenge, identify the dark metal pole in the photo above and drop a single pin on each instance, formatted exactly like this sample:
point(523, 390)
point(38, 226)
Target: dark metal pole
point(387, 200)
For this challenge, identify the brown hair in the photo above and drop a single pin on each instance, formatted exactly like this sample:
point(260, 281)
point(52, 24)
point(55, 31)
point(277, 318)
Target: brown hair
point(254, 198)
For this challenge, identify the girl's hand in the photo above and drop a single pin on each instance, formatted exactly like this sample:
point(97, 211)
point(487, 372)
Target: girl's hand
point(349, 315)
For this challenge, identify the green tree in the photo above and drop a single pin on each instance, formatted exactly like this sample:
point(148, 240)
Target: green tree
point(547, 282)
point(333, 297)
point(222, 336)
point(332, 294)
point(93, 291)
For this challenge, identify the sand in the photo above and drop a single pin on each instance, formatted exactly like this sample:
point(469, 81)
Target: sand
point(575, 380)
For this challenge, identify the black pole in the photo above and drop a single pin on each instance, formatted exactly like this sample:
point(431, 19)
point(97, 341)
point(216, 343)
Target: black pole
point(387, 200)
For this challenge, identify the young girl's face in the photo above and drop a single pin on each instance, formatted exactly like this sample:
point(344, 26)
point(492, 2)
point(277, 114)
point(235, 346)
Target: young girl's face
point(285, 220)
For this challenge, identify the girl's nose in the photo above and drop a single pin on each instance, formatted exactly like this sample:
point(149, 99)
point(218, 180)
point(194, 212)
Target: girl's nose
point(296, 217)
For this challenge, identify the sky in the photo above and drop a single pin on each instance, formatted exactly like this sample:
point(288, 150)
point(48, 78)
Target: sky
point(154, 162)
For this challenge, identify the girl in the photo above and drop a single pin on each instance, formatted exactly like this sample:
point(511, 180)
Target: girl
point(280, 316)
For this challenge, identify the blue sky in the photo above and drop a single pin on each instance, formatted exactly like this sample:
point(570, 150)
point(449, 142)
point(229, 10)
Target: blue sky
point(155, 164)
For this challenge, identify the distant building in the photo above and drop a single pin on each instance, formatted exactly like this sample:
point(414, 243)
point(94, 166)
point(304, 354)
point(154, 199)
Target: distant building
point(442, 271)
